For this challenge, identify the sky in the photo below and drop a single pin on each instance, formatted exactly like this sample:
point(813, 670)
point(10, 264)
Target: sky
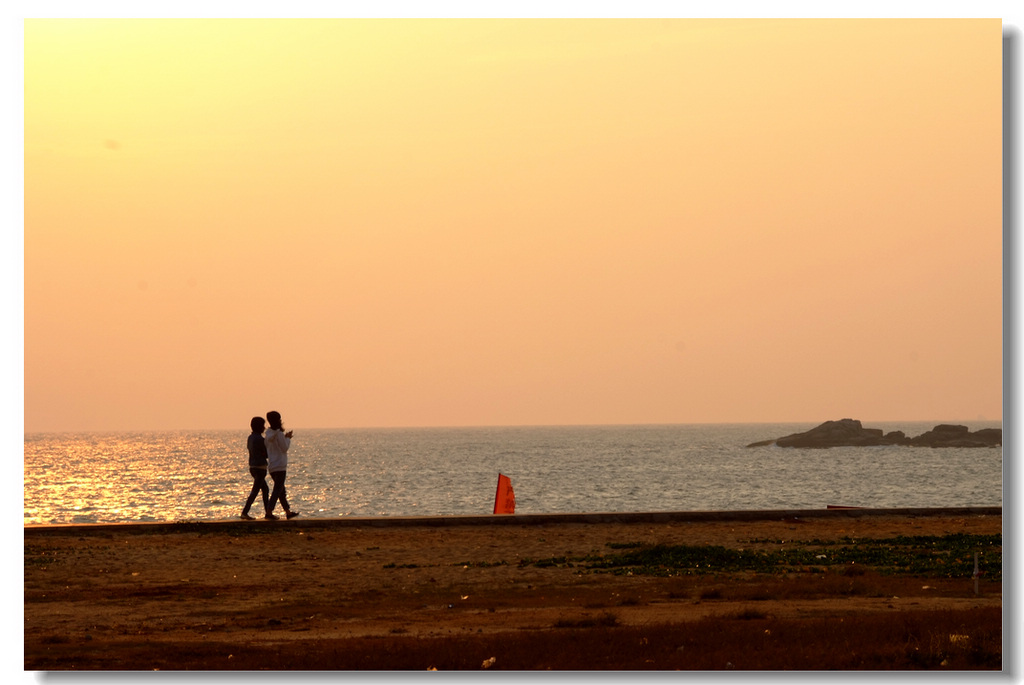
point(415, 222)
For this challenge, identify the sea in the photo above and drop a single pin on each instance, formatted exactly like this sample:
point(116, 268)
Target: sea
point(400, 472)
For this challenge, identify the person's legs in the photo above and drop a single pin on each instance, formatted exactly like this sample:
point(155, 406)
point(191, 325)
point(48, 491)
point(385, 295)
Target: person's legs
point(278, 492)
point(264, 489)
point(284, 493)
point(259, 484)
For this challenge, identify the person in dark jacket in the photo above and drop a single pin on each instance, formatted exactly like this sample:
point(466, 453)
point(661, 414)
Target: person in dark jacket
point(258, 469)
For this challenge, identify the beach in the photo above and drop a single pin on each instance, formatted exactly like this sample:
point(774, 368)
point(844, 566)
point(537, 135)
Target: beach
point(261, 594)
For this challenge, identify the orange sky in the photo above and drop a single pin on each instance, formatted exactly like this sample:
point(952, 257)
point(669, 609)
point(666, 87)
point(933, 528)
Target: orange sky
point(479, 222)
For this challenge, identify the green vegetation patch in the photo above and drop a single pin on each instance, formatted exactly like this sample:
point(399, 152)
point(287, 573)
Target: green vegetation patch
point(481, 564)
point(950, 556)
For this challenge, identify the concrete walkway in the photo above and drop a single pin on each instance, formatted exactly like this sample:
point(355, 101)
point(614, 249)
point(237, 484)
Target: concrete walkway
point(312, 522)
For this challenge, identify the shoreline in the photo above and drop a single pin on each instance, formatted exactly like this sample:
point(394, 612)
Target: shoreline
point(512, 519)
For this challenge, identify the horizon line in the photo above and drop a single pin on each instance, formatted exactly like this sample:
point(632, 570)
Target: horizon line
point(524, 425)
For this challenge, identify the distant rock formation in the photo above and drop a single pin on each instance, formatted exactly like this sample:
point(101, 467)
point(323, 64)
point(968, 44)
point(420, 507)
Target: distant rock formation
point(850, 433)
point(947, 435)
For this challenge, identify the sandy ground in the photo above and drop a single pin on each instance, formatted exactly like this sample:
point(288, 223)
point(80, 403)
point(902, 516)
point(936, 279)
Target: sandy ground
point(272, 581)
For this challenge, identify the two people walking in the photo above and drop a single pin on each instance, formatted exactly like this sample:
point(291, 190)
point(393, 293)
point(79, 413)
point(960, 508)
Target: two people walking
point(268, 453)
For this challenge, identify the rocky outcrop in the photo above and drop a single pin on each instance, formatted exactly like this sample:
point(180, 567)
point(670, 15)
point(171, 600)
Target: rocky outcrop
point(946, 435)
point(850, 433)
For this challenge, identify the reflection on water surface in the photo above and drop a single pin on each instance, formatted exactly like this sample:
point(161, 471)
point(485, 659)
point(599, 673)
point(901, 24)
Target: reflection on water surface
point(90, 478)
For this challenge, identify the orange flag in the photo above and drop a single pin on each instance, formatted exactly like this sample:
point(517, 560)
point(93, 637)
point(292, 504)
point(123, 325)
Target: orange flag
point(505, 498)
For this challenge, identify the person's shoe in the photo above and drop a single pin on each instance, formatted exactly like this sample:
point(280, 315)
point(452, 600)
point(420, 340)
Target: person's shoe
point(271, 517)
point(247, 517)
point(291, 514)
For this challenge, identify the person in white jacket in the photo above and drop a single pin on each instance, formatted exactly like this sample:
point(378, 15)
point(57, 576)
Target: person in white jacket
point(278, 443)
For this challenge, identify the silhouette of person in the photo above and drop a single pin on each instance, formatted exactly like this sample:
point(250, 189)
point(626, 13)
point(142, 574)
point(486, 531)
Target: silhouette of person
point(257, 467)
point(278, 443)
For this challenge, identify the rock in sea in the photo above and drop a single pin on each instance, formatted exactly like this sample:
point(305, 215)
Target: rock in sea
point(850, 433)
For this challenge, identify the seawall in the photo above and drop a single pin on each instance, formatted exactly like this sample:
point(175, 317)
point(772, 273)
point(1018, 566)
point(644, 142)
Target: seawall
point(217, 525)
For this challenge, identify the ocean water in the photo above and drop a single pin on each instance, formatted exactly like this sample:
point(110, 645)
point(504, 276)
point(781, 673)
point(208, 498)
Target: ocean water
point(171, 476)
